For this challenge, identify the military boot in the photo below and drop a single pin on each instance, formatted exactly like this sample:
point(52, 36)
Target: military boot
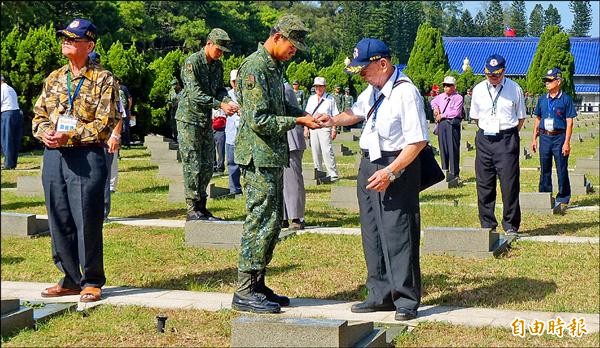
point(192, 214)
point(247, 299)
point(201, 209)
point(283, 301)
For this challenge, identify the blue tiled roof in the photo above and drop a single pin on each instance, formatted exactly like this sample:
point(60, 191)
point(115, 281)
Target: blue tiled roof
point(518, 52)
point(587, 88)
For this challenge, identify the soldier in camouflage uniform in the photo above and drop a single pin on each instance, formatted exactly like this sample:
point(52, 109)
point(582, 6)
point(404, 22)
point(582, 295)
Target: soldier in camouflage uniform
point(262, 152)
point(338, 97)
point(172, 103)
point(74, 117)
point(348, 100)
point(203, 90)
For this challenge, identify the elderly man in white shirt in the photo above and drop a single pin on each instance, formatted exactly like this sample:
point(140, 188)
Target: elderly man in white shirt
point(321, 139)
point(388, 180)
point(12, 126)
point(498, 108)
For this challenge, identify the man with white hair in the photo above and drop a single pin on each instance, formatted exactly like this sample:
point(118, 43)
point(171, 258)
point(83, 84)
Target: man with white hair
point(320, 139)
point(231, 128)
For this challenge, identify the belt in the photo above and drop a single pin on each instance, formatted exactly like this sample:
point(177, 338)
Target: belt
point(383, 153)
point(556, 132)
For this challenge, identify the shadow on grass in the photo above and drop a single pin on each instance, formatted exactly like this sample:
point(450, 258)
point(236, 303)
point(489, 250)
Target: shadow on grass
point(446, 195)
point(19, 205)
point(10, 260)
point(9, 185)
point(561, 228)
point(154, 189)
point(139, 168)
point(590, 200)
point(212, 279)
point(161, 214)
point(497, 291)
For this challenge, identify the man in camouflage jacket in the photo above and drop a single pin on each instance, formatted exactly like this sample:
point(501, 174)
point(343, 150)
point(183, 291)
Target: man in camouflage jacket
point(262, 152)
point(203, 90)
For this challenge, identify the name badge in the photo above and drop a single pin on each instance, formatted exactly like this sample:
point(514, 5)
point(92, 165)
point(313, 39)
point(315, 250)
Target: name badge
point(549, 124)
point(66, 123)
point(491, 126)
point(374, 149)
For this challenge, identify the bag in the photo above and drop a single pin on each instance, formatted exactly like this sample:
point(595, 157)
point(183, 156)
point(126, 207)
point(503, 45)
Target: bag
point(431, 173)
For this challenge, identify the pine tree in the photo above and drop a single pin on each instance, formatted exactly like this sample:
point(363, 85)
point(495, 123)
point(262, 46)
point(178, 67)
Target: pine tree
point(536, 21)
point(427, 58)
point(552, 17)
point(453, 27)
point(494, 25)
point(480, 24)
point(558, 54)
point(517, 19)
point(466, 27)
point(535, 71)
point(582, 17)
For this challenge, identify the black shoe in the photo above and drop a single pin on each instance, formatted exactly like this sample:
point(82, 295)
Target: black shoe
point(196, 215)
point(368, 307)
point(285, 224)
point(405, 314)
point(283, 301)
point(255, 303)
point(297, 225)
point(511, 233)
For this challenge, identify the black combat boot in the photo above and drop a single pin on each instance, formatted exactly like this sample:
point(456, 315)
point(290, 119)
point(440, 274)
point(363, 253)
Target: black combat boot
point(192, 213)
point(247, 299)
point(283, 301)
point(202, 211)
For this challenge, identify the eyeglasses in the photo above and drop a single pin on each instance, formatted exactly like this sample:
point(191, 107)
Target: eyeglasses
point(447, 85)
point(493, 75)
point(71, 40)
point(549, 81)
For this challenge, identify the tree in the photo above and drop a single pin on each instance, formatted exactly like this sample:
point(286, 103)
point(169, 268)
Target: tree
point(480, 23)
point(535, 71)
point(552, 17)
point(517, 19)
point(582, 17)
point(536, 21)
point(453, 27)
point(434, 15)
point(427, 58)
point(494, 17)
point(466, 27)
point(163, 70)
point(558, 54)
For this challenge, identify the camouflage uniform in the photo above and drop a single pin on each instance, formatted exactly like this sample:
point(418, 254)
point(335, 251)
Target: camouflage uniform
point(467, 107)
point(203, 90)
point(172, 103)
point(262, 152)
point(338, 97)
point(347, 102)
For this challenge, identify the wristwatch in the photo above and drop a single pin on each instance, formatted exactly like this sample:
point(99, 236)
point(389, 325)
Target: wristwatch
point(391, 175)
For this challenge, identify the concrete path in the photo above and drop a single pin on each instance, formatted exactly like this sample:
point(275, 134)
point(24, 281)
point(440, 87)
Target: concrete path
point(340, 230)
point(300, 307)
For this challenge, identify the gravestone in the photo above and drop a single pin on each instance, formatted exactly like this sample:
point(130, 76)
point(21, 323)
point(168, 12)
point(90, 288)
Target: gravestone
point(164, 155)
point(468, 164)
point(580, 185)
point(14, 316)
point(469, 146)
point(526, 154)
point(170, 171)
point(444, 185)
point(341, 150)
point(29, 186)
point(580, 138)
point(218, 234)
point(463, 242)
point(356, 132)
point(177, 191)
point(312, 175)
point(344, 197)
point(347, 136)
point(536, 202)
point(23, 225)
point(276, 331)
point(587, 166)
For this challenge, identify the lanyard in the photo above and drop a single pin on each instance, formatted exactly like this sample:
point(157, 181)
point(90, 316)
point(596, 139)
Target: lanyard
point(378, 102)
point(495, 100)
point(550, 106)
point(76, 93)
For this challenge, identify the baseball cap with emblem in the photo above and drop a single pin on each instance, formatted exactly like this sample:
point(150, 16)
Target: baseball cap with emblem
point(553, 74)
point(79, 28)
point(319, 81)
point(292, 28)
point(220, 38)
point(494, 64)
point(366, 51)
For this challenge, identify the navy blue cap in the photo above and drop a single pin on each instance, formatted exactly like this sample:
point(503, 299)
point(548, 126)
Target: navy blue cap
point(553, 73)
point(494, 64)
point(94, 57)
point(79, 29)
point(366, 51)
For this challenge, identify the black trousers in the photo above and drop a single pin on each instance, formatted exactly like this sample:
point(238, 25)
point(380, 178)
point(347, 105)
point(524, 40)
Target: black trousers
point(390, 229)
point(73, 180)
point(498, 156)
point(449, 139)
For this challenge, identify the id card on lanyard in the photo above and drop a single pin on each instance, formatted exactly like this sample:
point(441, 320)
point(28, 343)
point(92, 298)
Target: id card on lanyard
point(67, 122)
point(491, 125)
point(549, 120)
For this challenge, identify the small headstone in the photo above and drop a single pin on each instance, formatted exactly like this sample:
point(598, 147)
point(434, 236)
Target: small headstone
point(580, 138)
point(463, 242)
point(468, 164)
point(29, 185)
point(537, 202)
point(344, 197)
point(341, 150)
point(170, 170)
point(312, 173)
point(592, 135)
point(444, 185)
point(218, 234)
point(214, 191)
point(15, 317)
point(587, 165)
point(176, 191)
point(580, 185)
point(23, 225)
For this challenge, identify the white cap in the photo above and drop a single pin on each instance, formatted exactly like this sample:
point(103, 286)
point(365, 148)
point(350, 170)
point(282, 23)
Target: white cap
point(449, 80)
point(233, 75)
point(319, 81)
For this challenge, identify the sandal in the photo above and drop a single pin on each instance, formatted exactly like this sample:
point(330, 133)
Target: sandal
point(90, 294)
point(58, 291)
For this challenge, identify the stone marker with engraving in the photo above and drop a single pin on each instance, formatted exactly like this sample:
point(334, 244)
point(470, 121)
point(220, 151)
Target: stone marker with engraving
point(536, 202)
point(580, 185)
point(218, 234)
point(23, 225)
point(14, 316)
point(29, 186)
point(344, 197)
point(463, 242)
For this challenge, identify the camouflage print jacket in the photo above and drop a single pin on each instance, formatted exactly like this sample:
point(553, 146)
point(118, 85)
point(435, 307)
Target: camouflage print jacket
point(203, 90)
point(265, 114)
point(95, 107)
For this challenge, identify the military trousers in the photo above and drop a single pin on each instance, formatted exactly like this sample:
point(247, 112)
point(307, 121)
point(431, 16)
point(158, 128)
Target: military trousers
point(263, 187)
point(197, 152)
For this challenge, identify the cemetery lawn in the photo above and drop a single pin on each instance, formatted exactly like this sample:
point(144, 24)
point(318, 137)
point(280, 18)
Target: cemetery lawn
point(133, 326)
point(548, 277)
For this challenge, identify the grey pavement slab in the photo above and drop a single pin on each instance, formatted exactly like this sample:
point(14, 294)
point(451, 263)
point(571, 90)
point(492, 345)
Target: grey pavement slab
point(300, 307)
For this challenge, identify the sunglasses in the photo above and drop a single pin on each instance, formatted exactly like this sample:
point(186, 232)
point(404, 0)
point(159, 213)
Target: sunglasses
point(493, 75)
point(447, 85)
point(549, 81)
point(71, 40)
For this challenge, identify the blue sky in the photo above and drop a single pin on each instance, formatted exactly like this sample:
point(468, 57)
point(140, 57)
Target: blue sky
point(562, 6)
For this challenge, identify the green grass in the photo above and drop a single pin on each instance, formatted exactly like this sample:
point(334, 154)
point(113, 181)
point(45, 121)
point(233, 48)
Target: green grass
point(533, 276)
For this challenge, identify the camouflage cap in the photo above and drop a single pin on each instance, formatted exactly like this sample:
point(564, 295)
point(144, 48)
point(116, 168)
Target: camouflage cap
point(220, 38)
point(293, 29)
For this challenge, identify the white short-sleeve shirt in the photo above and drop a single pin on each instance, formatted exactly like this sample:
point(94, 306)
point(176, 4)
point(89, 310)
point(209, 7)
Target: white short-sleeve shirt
point(327, 106)
point(400, 118)
point(510, 107)
point(9, 98)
